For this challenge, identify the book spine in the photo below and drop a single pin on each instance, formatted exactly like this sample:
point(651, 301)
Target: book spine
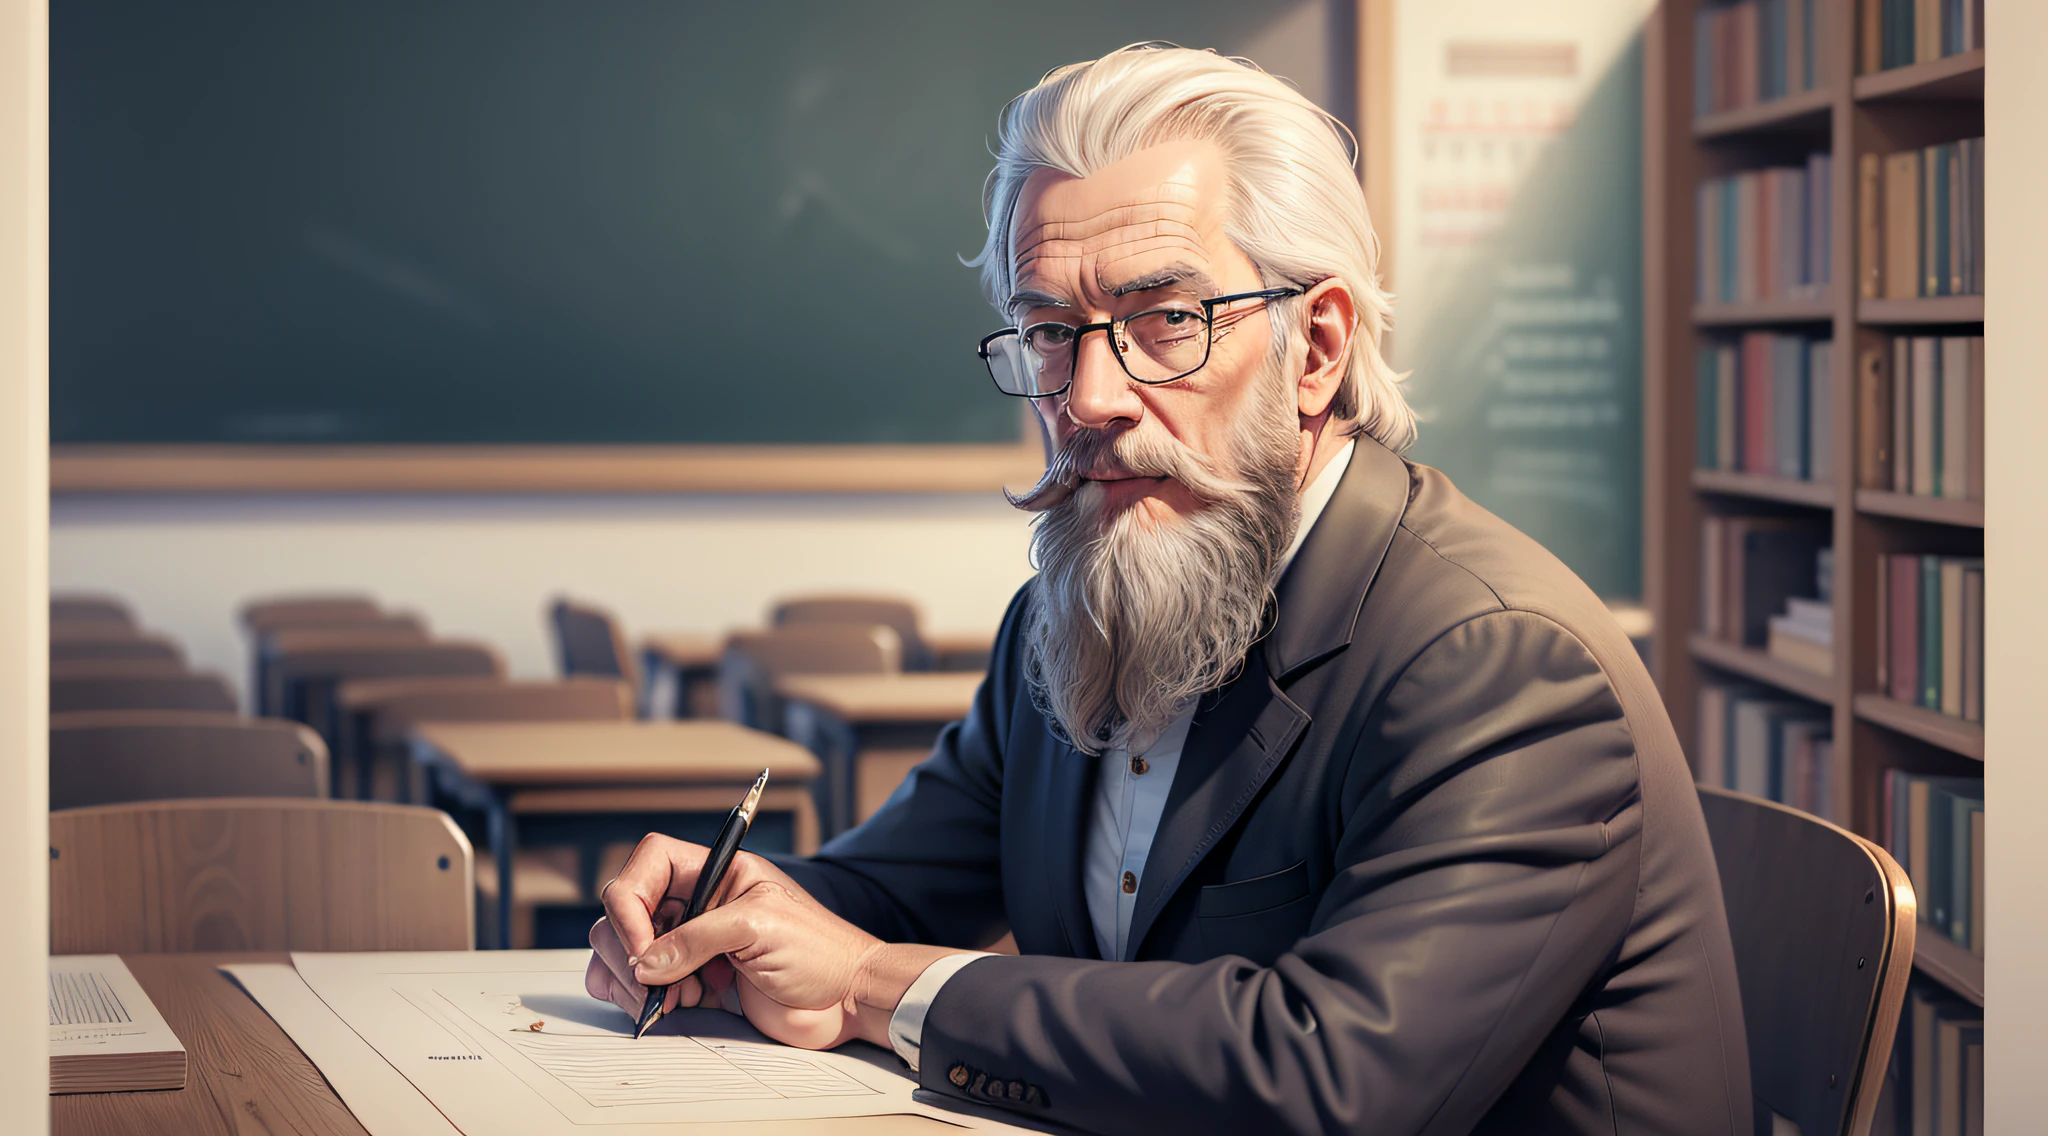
point(1870, 41)
point(1820, 411)
point(1974, 441)
point(1930, 632)
point(1884, 625)
point(1905, 627)
point(1973, 644)
point(1951, 650)
point(1926, 387)
point(1955, 417)
point(1902, 414)
point(1869, 226)
point(1930, 167)
point(1873, 421)
point(1902, 225)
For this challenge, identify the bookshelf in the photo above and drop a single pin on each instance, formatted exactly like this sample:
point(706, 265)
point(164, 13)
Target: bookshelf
point(1847, 115)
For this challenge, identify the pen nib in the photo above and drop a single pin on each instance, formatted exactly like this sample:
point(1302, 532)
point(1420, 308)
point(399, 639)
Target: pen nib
point(753, 800)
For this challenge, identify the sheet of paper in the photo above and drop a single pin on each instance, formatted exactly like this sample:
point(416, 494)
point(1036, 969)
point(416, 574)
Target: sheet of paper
point(504, 1041)
point(97, 1007)
point(382, 1100)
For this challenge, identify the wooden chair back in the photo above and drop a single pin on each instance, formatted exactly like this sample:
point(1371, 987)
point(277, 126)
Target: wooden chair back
point(305, 666)
point(331, 610)
point(901, 615)
point(303, 633)
point(110, 756)
point(82, 608)
point(72, 647)
point(1822, 922)
point(136, 684)
point(753, 660)
point(588, 642)
point(259, 874)
point(376, 717)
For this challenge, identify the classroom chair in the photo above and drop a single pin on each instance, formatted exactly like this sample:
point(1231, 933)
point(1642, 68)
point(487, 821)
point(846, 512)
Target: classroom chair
point(258, 874)
point(399, 627)
point(1822, 922)
point(109, 756)
point(753, 660)
point(130, 684)
point(71, 646)
point(80, 608)
point(308, 666)
point(309, 610)
point(376, 716)
point(899, 614)
point(588, 642)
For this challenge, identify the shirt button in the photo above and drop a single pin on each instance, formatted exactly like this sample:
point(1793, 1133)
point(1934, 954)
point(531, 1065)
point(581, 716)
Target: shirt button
point(1138, 766)
point(958, 1075)
point(1130, 883)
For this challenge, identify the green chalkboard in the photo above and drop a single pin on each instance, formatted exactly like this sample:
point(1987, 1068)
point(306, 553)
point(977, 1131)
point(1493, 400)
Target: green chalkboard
point(535, 221)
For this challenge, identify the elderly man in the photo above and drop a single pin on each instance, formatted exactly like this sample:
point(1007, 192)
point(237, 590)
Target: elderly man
point(1317, 798)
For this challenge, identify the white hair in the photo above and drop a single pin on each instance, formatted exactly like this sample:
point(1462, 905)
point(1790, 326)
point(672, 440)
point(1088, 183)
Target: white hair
point(1296, 206)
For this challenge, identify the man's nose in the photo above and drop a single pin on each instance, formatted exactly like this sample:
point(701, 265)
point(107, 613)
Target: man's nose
point(1101, 394)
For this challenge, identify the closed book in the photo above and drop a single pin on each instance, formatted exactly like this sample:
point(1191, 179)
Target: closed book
point(1869, 226)
point(105, 1033)
point(1758, 404)
point(1884, 620)
point(1873, 420)
point(1977, 883)
point(1788, 396)
point(1820, 410)
point(1787, 644)
point(1955, 417)
point(1973, 642)
point(1869, 40)
point(1710, 758)
point(1925, 1017)
point(1952, 637)
point(1930, 632)
point(1812, 618)
point(1919, 798)
point(1706, 244)
point(1966, 209)
point(1977, 238)
point(1728, 415)
point(1902, 225)
point(1757, 759)
point(1823, 791)
point(1925, 414)
point(1934, 221)
point(1948, 1065)
point(1792, 760)
point(1962, 887)
point(1770, 560)
point(1903, 617)
point(1973, 466)
point(1902, 414)
point(1714, 577)
point(1927, 31)
point(1973, 1088)
point(1705, 402)
point(1958, 213)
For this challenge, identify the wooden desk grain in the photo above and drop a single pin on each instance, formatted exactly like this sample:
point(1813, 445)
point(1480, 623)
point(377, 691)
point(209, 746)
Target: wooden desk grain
point(615, 753)
point(938, 697)
point(243, 1075)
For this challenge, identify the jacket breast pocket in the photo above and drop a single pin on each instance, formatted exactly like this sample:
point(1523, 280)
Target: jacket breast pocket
point(1259, 918)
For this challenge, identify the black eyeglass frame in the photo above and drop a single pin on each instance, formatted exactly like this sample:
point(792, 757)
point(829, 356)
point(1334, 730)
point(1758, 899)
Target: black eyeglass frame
point(1115, 330)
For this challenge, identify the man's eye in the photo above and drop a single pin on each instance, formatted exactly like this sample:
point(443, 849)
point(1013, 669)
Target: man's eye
point(1047, 335)
point(1177, 318)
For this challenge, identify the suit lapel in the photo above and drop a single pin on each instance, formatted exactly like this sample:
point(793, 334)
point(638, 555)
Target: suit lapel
point(1069, 791)
point(1232, 749)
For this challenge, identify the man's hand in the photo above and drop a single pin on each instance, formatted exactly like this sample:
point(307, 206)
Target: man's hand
point(799, 973)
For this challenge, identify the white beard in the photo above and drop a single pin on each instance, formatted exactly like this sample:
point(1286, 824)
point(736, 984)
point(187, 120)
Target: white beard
point(1134, 620)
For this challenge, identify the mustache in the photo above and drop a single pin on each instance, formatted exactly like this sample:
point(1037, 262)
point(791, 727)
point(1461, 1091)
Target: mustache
point(1102, 453)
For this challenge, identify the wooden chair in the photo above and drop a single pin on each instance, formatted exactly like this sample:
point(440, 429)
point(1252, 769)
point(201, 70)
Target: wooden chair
point(263, 646)
point(258, 874)
point(1822, 921)
point(124, 643)
point(136, 684)
point(137, 755)
point(310, 610)
point(80, 608)
point(308, 666)
point(376, 716)
point(588, 642)
point(901, 615)
point(753, 660)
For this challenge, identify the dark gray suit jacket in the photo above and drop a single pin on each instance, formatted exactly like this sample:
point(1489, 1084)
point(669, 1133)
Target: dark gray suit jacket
point(1432, 863)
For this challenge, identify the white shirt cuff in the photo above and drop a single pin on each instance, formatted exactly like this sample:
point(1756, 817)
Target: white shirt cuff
point(906, 1025)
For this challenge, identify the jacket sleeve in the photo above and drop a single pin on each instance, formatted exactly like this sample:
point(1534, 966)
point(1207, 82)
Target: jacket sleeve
point(1489, 825)
point(926, 867)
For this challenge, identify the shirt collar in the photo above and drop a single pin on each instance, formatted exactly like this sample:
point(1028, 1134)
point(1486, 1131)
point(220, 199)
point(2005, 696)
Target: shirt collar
point(1315, 497)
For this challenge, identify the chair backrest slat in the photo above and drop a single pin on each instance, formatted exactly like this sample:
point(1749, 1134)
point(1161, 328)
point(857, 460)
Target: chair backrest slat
point(84, 608)
point(111, 756)
point(893, 612)
point(262, 616)
point(84, 648)
point(136, 685)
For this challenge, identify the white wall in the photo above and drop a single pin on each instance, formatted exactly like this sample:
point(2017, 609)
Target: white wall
point(24, 488)
point(484, 567)
point(2016, 560)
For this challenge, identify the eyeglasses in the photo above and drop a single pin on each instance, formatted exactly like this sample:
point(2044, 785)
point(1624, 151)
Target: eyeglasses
point(1156, 346)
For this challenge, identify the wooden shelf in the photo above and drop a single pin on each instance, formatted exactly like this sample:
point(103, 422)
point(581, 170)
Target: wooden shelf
point(1913, 507)
point(1950, 733)
point(1764, 312)
point(1789, 490)
point(1754, 663)
point(1958, 77)
point(1803, 112)
point(1929, 309)
point(1948, 962)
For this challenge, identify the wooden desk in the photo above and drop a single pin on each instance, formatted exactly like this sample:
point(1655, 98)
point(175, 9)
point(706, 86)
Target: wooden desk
point(869, 730)
point(960, 651)
point(508, 769)
point(679, 673)
point(244, 1076)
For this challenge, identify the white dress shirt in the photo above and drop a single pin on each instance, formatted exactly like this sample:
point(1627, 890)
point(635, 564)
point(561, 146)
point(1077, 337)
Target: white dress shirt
point(1130, 797)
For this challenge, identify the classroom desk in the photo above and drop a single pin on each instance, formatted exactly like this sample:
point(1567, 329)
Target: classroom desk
point(960, 650)
point(509, 769)
point(679, 674)
point(243, 1075)
point(870, 729)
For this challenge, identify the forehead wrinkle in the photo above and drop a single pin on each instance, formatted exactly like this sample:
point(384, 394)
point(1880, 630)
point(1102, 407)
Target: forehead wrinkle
point(1129, 212)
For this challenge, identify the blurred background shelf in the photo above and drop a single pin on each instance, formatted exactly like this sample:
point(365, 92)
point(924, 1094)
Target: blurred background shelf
point(1754, 663)
point(1924, 309)
point(1789, 490)
point(1959, 76)
point(1951, 733)
point(1949, 963)
point(1914, 507)
point(1805, 111)
point(1763, 312)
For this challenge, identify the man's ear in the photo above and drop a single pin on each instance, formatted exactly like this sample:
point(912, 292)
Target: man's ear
point(1332, 322)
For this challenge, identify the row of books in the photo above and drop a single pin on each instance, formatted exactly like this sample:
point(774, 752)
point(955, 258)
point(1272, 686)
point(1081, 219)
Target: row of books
point(1934, 828)
point(1920, 415)
point(1768, 745)
point(1764, 234)
point(1937, 1069)
point(1930, 631)
point(1765, 405)
point(1897, 33)
point(1751, 568)
point(1754, 51)
point(1920, 221)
